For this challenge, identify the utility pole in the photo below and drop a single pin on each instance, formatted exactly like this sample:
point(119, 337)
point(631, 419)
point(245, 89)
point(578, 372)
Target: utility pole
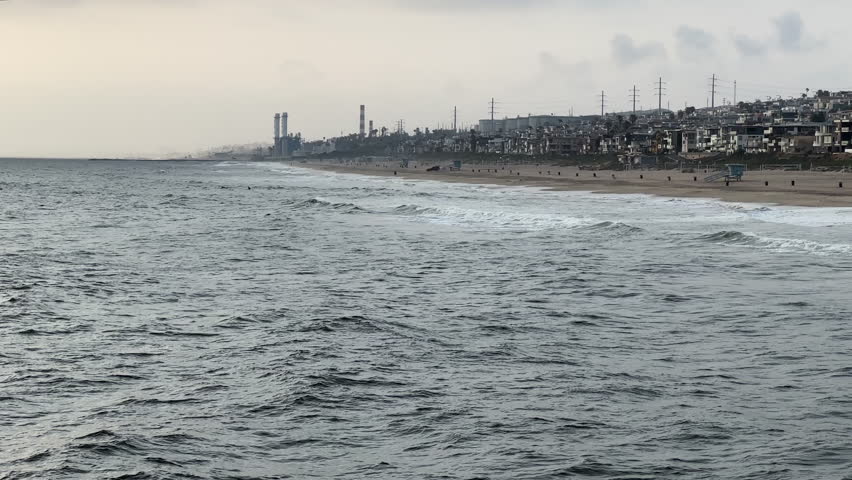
point(603, 104)
point(660, 97)
point(735, 92)
point(713, 92)
point(493, 130)
point(634, 99)
point(455, 118)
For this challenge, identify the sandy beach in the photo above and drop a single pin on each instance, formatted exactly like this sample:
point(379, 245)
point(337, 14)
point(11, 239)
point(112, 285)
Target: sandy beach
point(796, 188)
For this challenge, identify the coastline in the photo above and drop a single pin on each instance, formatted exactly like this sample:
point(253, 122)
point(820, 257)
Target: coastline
point(811, 189)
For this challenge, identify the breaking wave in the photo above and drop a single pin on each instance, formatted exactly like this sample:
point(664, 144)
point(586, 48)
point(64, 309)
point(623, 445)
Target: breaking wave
point(614, 227)
point(492, 219)
point(316, 203)
point(736, 238)
point(508, 220)
point(336, 325)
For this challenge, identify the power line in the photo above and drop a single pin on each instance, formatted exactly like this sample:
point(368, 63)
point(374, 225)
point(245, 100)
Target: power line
point(765, 85)
point(660, 96)
point(713, 91)
point(493, 130)
point(634, 95)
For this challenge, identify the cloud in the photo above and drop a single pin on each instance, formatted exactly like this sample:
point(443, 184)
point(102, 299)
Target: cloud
point(46, 4)
point(495, 6)
point(749, 47)
point(626, 52)
point(42, 6)
point(455, 5)
point(694, 43)
point(789, 37)
point(551, 65)
point(790, 30)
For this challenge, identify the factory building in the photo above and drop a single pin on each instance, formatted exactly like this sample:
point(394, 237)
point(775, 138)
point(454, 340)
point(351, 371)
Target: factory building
point(277, 129)
point(280, 147)
point(284, 135)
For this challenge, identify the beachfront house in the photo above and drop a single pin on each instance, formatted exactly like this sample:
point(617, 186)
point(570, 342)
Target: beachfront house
point(689, 141)
point(843, 133)
point(824, 139)
point(835, 137)
point(743, 138)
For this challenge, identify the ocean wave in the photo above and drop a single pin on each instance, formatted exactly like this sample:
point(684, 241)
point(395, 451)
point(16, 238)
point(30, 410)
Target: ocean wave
point(506, 220)
point(390, 331)
point(334, 380)
point(737, 238)
point(802, 216)
point(614, 227)
point(319, 204)
point(415, 210)
point(356, 323)
point(492, 219)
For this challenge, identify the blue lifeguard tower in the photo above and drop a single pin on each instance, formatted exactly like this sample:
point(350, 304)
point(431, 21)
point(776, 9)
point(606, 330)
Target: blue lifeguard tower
point(733, 171)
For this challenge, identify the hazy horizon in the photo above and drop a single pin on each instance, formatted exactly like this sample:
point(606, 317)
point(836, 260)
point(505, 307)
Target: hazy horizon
point(154, 77)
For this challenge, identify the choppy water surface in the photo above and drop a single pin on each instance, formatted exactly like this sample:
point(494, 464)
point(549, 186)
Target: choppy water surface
point(163, 320)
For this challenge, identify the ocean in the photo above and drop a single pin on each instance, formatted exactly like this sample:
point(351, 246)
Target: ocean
point(176, 320)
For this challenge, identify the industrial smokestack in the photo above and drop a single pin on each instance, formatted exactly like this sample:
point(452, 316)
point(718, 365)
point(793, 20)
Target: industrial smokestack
point(277, 131)
point(370, 133)
point(361, 130)
point(284, 146)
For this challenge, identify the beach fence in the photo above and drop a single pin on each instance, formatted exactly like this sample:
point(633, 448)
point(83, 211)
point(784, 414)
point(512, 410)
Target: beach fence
point(787, 167)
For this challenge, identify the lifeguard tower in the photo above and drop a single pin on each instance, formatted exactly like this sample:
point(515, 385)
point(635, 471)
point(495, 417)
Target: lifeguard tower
point(733, 171)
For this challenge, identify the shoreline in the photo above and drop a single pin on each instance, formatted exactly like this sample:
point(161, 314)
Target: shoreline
point(811, 189)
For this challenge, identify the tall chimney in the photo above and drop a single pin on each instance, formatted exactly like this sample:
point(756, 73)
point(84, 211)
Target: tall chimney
point(284, 145)
point(370, 133)
point(361, 130)
point(277, 131)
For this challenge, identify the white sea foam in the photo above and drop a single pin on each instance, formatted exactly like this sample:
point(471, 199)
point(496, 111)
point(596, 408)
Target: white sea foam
point(450, 215)
point(821, 231)
point(805, 216)
point(792, 245)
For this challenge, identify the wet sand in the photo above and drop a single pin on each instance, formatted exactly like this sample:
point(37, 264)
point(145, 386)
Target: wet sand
point(811, 189)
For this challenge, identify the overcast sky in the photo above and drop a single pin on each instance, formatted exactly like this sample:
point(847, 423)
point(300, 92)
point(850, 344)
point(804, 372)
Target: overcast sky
point(151, 77)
